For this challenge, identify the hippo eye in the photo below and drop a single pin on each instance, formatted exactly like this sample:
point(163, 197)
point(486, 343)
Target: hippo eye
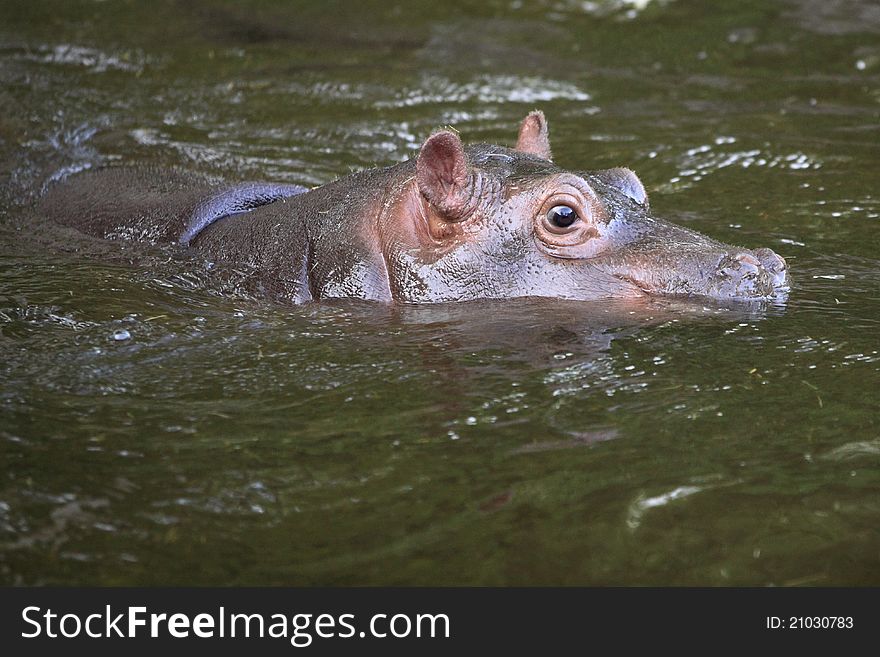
point(562, 216)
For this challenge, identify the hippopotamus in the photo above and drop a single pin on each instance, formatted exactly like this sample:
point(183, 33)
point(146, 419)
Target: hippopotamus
point(454, 223)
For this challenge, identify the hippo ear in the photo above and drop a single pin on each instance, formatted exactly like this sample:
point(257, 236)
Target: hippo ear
point(625, 181)
point(443, 177)
point(534, 136)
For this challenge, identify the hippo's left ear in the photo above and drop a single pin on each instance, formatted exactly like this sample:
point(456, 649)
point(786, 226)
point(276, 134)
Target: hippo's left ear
point(534, 136)
point(443, 176)
point(625, 181)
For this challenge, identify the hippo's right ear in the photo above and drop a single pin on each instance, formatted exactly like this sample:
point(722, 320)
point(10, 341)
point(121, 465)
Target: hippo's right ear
point(443, 176)
point(534, 136)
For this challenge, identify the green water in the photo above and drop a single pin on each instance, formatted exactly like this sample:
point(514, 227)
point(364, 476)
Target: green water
point(231, 441)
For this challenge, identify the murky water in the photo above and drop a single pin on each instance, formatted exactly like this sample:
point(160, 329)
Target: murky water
point(154, 430)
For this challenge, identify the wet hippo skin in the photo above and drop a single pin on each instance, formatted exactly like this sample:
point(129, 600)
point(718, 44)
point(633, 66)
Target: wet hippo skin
point(452, 224)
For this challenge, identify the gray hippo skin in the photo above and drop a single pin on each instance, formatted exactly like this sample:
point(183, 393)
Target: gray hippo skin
point(455, 223)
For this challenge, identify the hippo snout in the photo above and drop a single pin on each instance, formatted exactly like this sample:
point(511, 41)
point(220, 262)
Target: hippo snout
point(750, 274)
point(774, 264)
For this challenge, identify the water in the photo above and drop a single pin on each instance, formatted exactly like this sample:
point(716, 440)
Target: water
point(155, 429)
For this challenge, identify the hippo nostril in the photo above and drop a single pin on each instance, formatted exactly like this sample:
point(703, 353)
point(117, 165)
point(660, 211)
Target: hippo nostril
point(739, 266)
point(776, 265)
point(773, 262)
point(748, 259)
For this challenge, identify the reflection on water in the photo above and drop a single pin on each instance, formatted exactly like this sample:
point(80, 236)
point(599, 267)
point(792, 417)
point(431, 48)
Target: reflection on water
point(157, 426)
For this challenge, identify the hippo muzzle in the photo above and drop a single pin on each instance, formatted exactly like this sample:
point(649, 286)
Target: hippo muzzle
point(658, 257)
point(734, 274)
point(749, 274)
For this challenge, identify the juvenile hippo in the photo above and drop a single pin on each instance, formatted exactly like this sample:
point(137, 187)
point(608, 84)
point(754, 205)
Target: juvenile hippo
point(454, 223)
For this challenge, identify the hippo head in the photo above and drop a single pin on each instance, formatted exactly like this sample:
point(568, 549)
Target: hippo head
point(491, 222)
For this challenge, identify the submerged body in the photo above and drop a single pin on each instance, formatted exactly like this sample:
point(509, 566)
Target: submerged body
point(453, 224)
